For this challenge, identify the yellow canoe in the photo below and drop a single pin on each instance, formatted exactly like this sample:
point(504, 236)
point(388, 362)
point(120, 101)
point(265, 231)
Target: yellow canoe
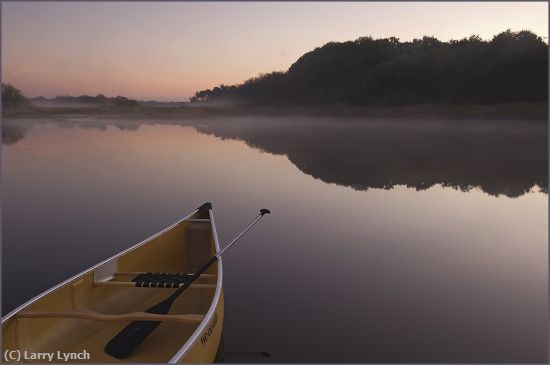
point(74, 320)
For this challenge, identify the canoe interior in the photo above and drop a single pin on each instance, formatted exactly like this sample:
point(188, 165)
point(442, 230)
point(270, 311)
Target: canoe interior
point(179, 249)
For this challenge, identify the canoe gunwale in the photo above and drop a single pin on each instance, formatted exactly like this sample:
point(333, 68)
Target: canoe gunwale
point(92, 268)
point(182, 352)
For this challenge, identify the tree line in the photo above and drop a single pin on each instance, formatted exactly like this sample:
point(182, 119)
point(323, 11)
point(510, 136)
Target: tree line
point(13, 98)
point(511, 67)
point(99, 99)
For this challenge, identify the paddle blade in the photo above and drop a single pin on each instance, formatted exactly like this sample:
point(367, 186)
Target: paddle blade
point(126, 341)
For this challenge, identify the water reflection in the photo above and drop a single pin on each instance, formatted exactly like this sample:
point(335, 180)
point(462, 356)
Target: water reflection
point(500, 157)
point(334, 274)
point(13, 132)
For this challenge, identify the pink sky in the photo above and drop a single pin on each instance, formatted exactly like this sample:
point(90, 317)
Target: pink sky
point(167, 51)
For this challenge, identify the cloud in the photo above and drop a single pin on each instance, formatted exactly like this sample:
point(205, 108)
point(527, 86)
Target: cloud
point(284, 53)
point(21, 71)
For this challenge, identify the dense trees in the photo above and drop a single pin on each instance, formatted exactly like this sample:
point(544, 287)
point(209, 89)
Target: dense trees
point(13, 101)
point(12, 98)
point(99, 99)
point(512, 67)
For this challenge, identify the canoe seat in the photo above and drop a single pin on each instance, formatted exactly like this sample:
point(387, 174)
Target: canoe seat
point(161, 279)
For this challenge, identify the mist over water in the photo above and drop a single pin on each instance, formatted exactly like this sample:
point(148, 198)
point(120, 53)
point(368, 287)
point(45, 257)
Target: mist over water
point(389, 240)
point(502, 157)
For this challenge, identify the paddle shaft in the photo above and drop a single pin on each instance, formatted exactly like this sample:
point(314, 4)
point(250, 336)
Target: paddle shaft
point(126, 341)
point(207, 265)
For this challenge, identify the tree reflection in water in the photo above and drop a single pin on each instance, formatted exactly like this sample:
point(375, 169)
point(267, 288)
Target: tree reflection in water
point(500, 157)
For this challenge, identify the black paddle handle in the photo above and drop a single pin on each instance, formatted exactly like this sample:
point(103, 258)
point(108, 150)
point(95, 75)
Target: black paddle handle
point(188, 283)
point(127, 340)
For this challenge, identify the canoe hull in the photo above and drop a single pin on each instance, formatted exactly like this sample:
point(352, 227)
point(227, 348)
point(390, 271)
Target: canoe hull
point(108, 288)
point(205, 349)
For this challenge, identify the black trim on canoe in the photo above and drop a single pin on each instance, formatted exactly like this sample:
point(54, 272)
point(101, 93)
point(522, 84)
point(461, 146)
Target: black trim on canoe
point(206, 206)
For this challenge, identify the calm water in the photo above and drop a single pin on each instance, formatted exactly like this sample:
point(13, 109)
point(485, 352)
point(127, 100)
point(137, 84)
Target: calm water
point(389, 241)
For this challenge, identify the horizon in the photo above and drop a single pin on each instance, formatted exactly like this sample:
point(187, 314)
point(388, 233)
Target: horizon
point(96, 94)
point(95, 50)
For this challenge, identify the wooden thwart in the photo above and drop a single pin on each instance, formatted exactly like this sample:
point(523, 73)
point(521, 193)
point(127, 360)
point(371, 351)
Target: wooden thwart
point(131, 283)
point(135, 316)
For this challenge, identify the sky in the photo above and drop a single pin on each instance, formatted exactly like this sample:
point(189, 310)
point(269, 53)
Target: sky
point(168, 51)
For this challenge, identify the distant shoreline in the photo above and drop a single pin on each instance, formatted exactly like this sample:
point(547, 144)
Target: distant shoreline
point(528, 111)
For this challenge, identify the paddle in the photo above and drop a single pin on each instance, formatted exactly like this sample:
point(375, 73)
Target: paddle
point(126, 341)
